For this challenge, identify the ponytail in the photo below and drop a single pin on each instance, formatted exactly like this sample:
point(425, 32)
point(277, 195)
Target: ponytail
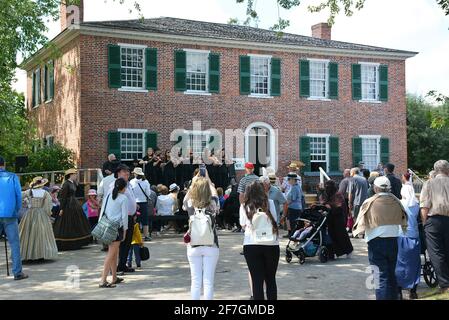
point(119, 185)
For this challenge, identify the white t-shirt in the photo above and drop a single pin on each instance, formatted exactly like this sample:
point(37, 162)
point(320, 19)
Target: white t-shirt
point(246, 224)
point(105, 185)
point(408, 195)
point(164, 205)
point(117, 210)
point(140, 196)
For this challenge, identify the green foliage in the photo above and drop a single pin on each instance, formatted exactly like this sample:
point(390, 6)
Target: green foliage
point(51, 158)
point(16, 131)
point(440, 116)
point(425, 144)
point(444, 4)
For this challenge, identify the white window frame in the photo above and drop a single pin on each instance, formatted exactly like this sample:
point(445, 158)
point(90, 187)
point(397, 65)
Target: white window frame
point(199, 92)
point(327, 136)
point(372, 64)
point(134, 46)
point(37, 89)
point(326, 97)
point(144, 142)
point(259, 95)
point(377, 137)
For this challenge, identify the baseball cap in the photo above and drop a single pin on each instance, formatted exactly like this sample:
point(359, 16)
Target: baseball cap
point(382, 182)
point(249, 165)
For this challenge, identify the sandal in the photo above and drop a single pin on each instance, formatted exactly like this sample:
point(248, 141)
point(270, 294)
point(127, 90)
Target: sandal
point(117, 281)
point(106, 285)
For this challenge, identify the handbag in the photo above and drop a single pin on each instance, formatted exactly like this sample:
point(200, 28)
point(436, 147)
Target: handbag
point(148, 198)
point(144, 253)
point(106, 231)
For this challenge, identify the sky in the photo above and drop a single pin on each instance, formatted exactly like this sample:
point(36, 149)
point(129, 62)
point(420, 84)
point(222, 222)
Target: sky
point(414, 25)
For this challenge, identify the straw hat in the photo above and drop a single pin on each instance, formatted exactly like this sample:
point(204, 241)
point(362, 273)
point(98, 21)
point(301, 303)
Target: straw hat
point(71, 171)
point(138, 171)
point(295, 165)
point(38, 182)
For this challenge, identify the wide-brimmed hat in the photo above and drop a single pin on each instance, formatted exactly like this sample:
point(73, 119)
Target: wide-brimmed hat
point(272, 176)
point(55, 188)
point(173, 187)
point(138, 171)
point(70, 171)
point(92, 192)
point(295, 165)
point(38, 182)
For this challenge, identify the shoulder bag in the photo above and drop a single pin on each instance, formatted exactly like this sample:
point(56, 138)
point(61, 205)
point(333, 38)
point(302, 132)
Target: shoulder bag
point(106, 230)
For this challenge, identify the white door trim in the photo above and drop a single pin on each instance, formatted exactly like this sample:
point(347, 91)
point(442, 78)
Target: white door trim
point(273, 143)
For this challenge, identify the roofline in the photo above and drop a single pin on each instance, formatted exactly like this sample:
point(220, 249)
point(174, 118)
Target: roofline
point(60, 40)
point(69, 34)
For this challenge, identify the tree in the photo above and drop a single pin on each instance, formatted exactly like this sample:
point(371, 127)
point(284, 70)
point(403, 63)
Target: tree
point(334, 6)
point(51, 158)
point(440, 116)
point(16, 130)
point(425, 144)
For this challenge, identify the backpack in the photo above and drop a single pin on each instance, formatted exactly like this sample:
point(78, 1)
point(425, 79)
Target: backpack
point(261, 228)
point(201, 229)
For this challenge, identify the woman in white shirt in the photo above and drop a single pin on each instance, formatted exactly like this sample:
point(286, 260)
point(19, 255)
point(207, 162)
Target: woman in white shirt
point(262, 258)
point(203, 259)
point(165, 203)
point(115, 207)
point(142, 190)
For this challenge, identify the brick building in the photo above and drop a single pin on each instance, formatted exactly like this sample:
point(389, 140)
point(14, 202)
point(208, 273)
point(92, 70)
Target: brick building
point(122, 86)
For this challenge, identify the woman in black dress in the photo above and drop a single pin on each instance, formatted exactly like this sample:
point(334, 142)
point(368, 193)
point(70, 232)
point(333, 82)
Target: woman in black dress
point(157, 167)
point(169, 173)
point(72, 229)
point(179, 170)
point(331, 198)
point(147, 161)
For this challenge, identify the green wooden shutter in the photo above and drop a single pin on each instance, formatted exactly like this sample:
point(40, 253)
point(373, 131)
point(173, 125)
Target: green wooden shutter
point(180, 70)
point(114, 66)
point(333, 80)
point(356, 151)
point(151, 140)
point(383, 83)
point(46, 82)
point(114, 144)
point(33, 94)
point(38, 86)
point(384, 150)
point(52, 79)
point(151, 68)
point(214, 73)
point(356, 82)
point(334, 154)
point(304, 152)
point(275, 76)
point(304, 78)
point(245, 75)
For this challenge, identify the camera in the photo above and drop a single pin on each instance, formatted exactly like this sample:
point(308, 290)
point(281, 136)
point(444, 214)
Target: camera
point(202, 170)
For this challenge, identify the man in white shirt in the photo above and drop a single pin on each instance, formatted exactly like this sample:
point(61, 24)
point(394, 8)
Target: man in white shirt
point(143, 193)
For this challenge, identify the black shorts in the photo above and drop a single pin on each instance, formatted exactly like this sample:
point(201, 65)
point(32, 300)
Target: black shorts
point(120, 235)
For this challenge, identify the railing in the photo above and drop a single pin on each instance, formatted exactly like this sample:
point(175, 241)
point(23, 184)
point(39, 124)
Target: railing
point(85, 176)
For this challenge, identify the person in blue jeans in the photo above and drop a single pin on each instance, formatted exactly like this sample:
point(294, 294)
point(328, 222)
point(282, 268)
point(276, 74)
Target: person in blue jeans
point(10, 203)
point(381, 218)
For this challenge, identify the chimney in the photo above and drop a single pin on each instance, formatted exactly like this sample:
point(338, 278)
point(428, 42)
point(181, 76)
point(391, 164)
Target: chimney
point(71, 14)
point(322, 31)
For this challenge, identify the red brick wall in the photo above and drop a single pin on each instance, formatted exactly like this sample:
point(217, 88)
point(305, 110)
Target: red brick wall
point(61, 117)
point(104, 109)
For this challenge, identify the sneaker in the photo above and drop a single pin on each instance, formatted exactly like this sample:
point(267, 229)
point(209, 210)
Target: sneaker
point(349, 256)
point(158, 234)
point(139, 266)
point(147, 239)
point(21, 276)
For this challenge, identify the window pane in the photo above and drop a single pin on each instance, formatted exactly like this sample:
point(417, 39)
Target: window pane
point(318, 79)
point(196, 73)
point(260, 75)
point(369, 82)
point(132, 67)
point(370, 153)
point(318, 153)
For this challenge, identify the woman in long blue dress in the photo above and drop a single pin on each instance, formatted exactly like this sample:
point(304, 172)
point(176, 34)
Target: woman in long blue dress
point(408, 266)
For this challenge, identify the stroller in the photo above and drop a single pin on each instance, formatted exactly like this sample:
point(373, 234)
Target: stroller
point(427, 270)
point(314, 240)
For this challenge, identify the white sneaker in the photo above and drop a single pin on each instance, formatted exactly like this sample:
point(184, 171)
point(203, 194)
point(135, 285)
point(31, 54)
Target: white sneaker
point(158, 234)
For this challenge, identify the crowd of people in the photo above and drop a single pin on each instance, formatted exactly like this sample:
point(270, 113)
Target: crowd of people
point(383, 210)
